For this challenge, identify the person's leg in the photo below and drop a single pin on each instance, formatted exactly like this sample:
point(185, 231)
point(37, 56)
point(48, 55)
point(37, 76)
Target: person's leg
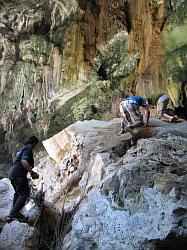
point(136, 116)
point(126, 121)
point(168, 117)
point(122, 131)
point(23, 191)
point(137, 124)
point(137, 121)
point(15, 198)
point(161, 109)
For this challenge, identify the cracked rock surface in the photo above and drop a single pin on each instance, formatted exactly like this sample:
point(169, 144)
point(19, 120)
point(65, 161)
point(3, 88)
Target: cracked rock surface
point(134, 200)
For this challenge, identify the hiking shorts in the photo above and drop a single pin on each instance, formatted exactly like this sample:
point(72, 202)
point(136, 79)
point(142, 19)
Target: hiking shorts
point(161, 107)
point(131, 111)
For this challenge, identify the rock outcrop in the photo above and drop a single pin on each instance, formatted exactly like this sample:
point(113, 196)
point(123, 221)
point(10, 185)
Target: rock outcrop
point(6, 198)
point(131, 200)
point(74, 150)
point(111, 194)
point(18, 236)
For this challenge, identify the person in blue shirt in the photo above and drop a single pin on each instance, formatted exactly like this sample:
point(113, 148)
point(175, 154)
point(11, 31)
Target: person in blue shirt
point(131, 115)
point(162, 108)
point(23, 164)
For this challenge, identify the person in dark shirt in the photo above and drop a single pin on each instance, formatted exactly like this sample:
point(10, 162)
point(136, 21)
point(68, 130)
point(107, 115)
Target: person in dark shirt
point(23, 164)
point(131, 115)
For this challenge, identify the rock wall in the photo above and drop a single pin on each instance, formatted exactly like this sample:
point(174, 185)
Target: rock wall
point(125, 198)
point(63, 61)
point(102, 193)
point(18, 236)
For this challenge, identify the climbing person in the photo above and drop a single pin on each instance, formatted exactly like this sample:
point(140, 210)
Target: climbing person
point(162, 110)
point(23, 164)
point(131, 115)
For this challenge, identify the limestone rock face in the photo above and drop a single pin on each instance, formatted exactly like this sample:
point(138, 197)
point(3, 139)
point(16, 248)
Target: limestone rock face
point(6, 198)
point(116, 195)
point(126, 198)
point(18, 236)
point(77, 152)
point(63, 61)
point(141, 201)
point(68, 61)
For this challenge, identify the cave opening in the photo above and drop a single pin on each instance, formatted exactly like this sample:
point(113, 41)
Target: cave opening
point(182, 110)
point(102, 73)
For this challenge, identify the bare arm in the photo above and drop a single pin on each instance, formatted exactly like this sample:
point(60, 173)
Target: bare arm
point(121, 110)
point(26, 165)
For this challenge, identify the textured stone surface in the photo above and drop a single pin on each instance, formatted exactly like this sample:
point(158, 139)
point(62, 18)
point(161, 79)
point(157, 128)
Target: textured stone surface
point(18, 236)
point(132, 200)
point(115, 195)
point(66, 61)
point(74, 151)
point(141, 199)
point(6, 198)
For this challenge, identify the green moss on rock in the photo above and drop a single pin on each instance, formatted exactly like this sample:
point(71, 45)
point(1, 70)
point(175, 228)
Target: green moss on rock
point(73, 57)
point(176, 11)
point(152, 99)
point(175, 37)
point(90, 103)
point(174, 91)
point(115, 60)
point(175, 43)
point(176, 63)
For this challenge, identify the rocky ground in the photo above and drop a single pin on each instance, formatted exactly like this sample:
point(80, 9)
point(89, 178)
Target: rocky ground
point(119, 196)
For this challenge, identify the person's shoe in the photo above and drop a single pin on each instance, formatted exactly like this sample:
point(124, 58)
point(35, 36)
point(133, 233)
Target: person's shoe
point(9, 219)
point(131, 132)
point(122, 132)
point(133, 142)
point(128, 129)
point(125, 130)
point(18, 216)
point(173, 120)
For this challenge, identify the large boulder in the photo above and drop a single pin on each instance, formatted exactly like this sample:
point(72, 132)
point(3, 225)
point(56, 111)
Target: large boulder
point(140, 202)
point(6, 198)
point(18, 236)
point(109, 194)
point(125, 198)
point(73, 152)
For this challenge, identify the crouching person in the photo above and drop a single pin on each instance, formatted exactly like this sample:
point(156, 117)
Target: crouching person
point(18, 176)
point(162, 110)
point(131, 115)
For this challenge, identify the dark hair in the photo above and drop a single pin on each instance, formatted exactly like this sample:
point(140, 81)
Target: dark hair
point(32, 140)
